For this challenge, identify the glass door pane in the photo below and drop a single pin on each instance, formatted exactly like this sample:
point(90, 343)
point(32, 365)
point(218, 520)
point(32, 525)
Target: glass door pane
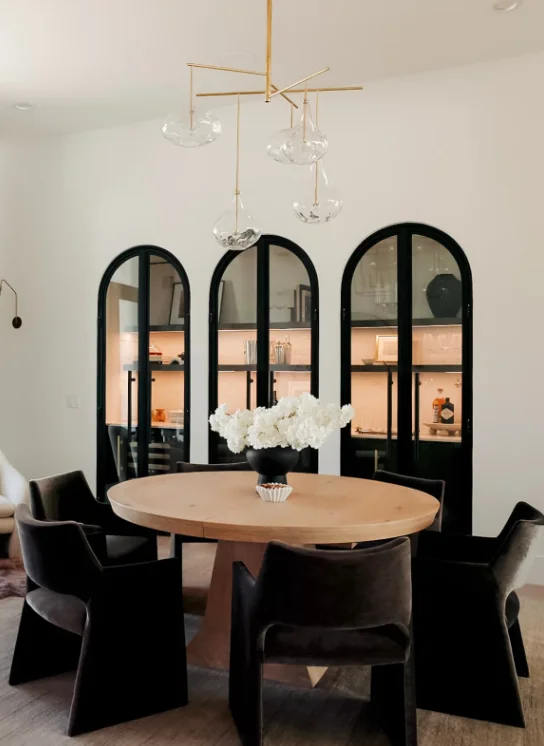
point(167, 311)
point(121, 398)
point(237, 341)
point(437, 340)
point(374, 359)
point(290, 335)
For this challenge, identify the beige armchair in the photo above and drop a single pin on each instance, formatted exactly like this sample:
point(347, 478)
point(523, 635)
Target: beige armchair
point(13, 490)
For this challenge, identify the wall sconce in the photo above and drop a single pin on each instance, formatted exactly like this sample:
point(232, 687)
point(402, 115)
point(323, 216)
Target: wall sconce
point(17, 321)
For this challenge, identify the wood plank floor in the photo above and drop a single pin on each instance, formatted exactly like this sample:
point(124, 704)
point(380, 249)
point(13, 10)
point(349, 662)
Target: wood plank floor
point(333, 714)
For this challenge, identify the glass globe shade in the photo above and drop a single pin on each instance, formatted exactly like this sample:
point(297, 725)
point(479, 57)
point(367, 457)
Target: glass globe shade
point(179, 130)
point(236, 229)
point(306, 144)
point(319, 202)
point(276, 146)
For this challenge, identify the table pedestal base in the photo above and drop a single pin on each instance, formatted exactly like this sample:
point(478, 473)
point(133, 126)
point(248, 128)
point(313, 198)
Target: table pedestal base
point(211, 645)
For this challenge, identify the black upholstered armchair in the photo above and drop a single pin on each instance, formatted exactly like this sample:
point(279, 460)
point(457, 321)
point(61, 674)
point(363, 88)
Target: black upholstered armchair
point(316, 607)
point(184, 467)
point(120, 627)
point(434, 487)
point(68, 497)
point(467, 636)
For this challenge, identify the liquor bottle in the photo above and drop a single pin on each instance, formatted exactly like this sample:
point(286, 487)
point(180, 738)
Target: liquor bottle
point(287, 349)
point(438, 403)
point(447, 413)
point(274, 399)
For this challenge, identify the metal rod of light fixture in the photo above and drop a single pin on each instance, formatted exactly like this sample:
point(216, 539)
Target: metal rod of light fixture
point(191, 110)
point(242, 72)
point(268, 93)
point(298, 82)
point(17, 321)
point(316, 197)
point(237, 187)
point(204, 94)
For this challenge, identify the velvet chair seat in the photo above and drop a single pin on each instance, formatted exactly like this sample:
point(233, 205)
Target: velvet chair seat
point(321, 647)
point(61, 609)
point(123, 549)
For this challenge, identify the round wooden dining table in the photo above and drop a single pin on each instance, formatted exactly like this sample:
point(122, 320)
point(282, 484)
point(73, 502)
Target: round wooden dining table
point(321, 509)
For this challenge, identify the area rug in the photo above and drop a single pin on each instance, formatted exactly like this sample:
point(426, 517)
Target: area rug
point(12, 578)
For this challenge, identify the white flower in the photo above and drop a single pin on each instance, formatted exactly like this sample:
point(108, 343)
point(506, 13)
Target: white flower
point(294, 422)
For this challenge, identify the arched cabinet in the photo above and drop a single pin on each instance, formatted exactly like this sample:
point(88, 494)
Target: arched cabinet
point(143, 423)
point(263, 332)
point(407, 361)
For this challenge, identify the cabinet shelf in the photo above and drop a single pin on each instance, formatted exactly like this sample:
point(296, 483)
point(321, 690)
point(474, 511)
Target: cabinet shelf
point(285, 325)
point(159, 328)
point(393, 324)
point(415, 368)
point(274, 367)
point(175, 367)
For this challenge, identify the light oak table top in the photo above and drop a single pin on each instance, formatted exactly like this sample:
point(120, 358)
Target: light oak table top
point(322, 509)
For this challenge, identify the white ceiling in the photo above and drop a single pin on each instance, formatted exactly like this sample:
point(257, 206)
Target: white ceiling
point(93, 63)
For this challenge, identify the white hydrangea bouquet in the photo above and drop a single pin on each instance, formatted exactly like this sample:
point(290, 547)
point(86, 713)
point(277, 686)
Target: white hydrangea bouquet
point(279, 432)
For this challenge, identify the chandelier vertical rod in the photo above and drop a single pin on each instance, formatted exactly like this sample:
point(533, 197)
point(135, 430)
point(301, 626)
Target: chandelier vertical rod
point(268, 85)
point(191, 111)
point(316, 196)
point(237, 186)
point(304, 114)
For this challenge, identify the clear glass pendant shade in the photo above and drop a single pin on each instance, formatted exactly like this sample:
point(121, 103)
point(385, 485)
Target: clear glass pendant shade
point(180, 130)
point(306, 144)
point(320, 202)
point(276, 146)
point(236, 229)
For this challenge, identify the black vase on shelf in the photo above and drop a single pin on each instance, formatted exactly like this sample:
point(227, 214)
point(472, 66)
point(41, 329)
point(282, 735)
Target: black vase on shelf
point(272, 464)
point(444, 296)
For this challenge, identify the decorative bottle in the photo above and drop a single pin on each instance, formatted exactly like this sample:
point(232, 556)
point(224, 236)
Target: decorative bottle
point(438, 403)
point(287, 349)
point(447, 412)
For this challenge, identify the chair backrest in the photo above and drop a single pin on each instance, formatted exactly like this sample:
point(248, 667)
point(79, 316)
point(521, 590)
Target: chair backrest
point(517, 546)
point(63, 497)
point(186, 468)
point(434, 487)
point(360, 589)
point(56, 555)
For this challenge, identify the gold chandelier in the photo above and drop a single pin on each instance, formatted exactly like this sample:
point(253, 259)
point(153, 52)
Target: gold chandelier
point(302, 144)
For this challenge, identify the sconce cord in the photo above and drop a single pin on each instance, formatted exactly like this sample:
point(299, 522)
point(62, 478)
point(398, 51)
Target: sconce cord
point(5, 282)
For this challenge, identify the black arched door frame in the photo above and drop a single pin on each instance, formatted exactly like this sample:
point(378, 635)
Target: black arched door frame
point(263, 326)
point(404, 232)
point(144, 254)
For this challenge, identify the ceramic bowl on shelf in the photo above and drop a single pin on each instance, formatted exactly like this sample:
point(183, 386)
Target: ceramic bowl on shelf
point(274, 493)
point(368, 361)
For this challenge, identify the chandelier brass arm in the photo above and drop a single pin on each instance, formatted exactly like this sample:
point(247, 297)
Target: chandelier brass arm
point(204, 94)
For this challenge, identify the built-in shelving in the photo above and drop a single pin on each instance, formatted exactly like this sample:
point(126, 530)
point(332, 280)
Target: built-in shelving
point(393, 324)
point(159, 328)
point(275, 367)
point(175, 367)
point(285, 326)
point(415, 368)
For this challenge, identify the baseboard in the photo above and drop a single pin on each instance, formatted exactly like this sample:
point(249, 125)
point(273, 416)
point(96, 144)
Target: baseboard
point(536, 576)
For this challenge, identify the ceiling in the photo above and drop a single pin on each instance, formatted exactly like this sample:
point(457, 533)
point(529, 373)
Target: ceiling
point(95, 63)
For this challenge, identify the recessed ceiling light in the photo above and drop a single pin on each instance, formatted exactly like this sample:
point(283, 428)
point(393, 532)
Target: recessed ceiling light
point(506, 6)
point(23, 106)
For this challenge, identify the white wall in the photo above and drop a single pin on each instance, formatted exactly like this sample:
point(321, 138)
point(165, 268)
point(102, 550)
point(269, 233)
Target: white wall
point(458, 149)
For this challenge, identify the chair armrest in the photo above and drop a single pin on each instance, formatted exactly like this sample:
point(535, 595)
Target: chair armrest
point(456, 547)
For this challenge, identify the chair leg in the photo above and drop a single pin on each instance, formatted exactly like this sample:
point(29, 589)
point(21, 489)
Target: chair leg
point(518, 650)
point(42, 649)
point(393, 699)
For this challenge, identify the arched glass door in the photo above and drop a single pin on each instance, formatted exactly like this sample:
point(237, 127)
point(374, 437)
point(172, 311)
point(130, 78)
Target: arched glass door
point(407, 361)
point(264, 331)
point(143, 367)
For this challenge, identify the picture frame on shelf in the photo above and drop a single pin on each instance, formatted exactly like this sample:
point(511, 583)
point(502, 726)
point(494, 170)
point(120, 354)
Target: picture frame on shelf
point(177, 307)
point(298, 386)
point(387, 348)
point(303, 304)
